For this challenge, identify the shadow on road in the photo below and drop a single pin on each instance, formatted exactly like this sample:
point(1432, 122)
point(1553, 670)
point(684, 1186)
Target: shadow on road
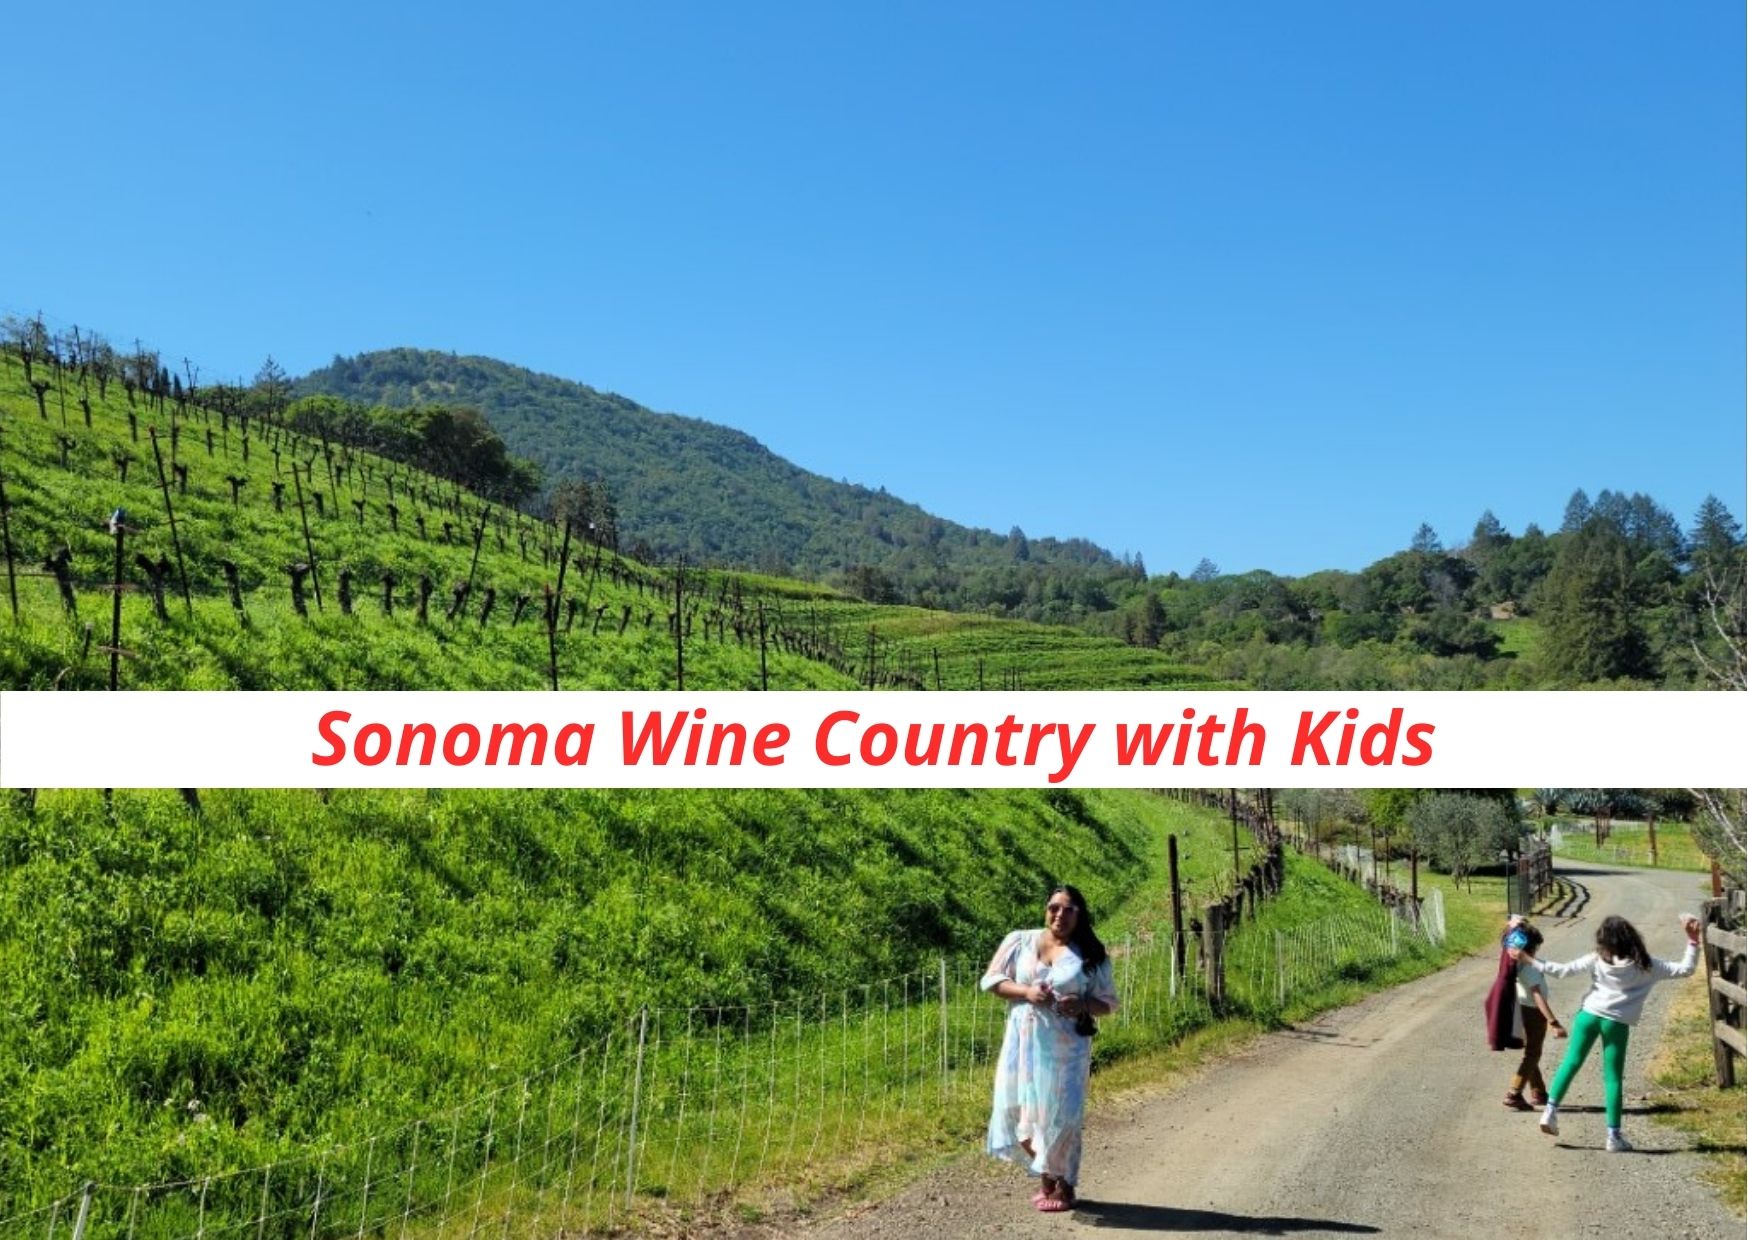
point(1565, 868)
point(1637, 1151)
point(1138, 1217)
point(1720, 1147)
point(1569, 898)
point(1324, 1037)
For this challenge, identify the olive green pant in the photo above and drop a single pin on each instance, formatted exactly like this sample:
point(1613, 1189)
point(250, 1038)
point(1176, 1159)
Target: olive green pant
point(1587, 1029)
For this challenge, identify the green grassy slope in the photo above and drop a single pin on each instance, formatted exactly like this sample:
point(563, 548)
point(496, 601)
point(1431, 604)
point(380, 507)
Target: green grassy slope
point(308, 969)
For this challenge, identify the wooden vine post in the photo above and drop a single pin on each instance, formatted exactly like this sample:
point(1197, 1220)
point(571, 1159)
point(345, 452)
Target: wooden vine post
point(1214, 954)
point(6, 543)
point(479, 536)
point(170, 512)
point(118, 528)
point(309, 545)
point(1177, 909)
point(764, 675)
point(552, 605)
point(679, 624)
point(1232, 810)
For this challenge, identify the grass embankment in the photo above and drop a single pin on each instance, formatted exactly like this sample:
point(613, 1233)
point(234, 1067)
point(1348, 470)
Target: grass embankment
point(1685, 1083)
point(1629, 843)
point(63, 480)
point(278, 975)
point(199, 992)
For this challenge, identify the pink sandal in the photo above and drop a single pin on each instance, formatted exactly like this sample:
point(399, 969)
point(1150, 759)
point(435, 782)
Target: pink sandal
point(1050, 1203)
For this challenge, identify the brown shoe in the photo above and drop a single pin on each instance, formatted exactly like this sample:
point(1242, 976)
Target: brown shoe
point(1538, 1099)
point(1514, 1101)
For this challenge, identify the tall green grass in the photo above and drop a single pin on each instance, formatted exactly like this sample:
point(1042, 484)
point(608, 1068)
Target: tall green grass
point(677, 1114)
point(187, 990)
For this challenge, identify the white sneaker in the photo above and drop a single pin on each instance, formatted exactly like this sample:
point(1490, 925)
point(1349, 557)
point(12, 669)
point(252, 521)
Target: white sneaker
point(1618, 1144)
point(1550, 1122)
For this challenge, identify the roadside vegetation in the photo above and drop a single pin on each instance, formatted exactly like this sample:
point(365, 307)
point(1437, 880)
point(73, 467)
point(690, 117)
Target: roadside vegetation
point(1688, 1098)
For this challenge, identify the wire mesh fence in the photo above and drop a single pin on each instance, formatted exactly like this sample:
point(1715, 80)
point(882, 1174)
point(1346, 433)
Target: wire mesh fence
point(675, 1112)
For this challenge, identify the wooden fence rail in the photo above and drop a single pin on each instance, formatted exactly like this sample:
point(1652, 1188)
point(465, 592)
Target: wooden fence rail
point(1726, 983)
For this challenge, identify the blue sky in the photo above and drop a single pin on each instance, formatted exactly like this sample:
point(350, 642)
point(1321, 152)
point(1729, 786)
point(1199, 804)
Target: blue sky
point(1270, 284)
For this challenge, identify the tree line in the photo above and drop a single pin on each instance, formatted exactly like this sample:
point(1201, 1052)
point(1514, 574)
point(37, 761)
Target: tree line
point(1621, 593)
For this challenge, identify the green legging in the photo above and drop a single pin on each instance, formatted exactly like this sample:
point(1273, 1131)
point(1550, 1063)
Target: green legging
point(1586, 1029)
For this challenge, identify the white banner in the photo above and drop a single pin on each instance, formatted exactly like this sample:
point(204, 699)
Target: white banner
point(848, 739)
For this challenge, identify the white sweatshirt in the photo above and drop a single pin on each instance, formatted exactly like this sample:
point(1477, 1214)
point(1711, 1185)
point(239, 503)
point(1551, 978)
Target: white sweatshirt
point(1618, 988)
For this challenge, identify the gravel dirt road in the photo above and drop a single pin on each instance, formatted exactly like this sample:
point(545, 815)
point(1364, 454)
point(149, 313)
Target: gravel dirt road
point(1379, 1119)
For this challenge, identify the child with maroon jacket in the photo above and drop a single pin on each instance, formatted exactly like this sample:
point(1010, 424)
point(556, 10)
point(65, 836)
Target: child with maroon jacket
point(1534, 1017)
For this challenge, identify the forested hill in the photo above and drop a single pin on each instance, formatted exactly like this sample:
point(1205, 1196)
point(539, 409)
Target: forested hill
point(685, 486)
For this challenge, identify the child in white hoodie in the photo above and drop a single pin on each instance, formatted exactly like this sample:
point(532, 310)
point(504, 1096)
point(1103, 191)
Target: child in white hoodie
point(1622, 973)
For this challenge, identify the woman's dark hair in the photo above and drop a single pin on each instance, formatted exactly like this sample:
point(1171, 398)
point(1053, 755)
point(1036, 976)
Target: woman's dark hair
point(1617, 940)
point(1086, 944)
point(1533, 936)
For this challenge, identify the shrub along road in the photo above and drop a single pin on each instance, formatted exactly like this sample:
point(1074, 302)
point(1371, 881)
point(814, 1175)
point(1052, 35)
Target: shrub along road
point(1382, 1118)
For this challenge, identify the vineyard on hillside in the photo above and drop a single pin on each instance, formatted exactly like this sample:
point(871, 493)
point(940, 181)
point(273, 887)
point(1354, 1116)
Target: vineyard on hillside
point(246, 555)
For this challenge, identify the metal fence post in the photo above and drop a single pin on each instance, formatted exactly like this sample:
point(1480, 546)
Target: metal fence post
point(636, 1098)
point(943, 1026)
point(84, 1209)
point(316, 1210)
point(1128, 992)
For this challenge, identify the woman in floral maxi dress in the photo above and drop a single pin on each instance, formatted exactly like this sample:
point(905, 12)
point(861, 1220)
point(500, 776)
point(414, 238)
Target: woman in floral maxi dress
point(1055, 981)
